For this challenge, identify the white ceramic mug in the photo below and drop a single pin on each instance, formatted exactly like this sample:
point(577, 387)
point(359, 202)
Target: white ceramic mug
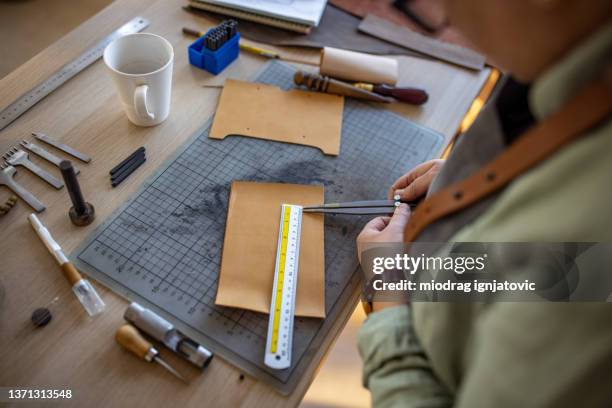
point(141, 67)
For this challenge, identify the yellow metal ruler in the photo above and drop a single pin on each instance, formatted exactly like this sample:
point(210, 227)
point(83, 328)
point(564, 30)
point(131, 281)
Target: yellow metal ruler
point(282, 304)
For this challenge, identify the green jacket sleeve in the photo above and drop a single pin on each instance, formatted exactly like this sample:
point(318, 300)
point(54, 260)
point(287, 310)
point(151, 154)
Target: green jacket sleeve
point(395, 368)
point(526, 354)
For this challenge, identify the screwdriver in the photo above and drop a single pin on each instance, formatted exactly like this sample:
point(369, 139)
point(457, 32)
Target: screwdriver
point(128, 337)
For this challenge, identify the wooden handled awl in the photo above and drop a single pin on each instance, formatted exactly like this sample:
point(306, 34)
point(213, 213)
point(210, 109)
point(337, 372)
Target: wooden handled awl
point(129, 338)
point(326, 84)
point(413, 96)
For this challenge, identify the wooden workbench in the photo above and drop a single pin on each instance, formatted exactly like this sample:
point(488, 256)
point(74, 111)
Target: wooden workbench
point(79, 353)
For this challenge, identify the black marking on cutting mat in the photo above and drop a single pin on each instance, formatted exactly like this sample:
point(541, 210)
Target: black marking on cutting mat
point(163, 247)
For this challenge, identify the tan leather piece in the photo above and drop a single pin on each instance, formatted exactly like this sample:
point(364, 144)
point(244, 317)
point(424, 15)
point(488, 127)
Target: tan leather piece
point(588, 108)
point(267, 112)
point(249, 247)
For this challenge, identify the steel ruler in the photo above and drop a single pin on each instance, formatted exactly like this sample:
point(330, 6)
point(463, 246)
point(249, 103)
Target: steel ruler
point(282, 305)
point(62, 75)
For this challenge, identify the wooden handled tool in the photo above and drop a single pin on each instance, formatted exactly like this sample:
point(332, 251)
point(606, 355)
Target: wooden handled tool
point(414, 96)
point(326, 84)
point(129, 338)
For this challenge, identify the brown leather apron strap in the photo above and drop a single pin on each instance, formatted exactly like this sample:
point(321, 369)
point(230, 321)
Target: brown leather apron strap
point(590, 107)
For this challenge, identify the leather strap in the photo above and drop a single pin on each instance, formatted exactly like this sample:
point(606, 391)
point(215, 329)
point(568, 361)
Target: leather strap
point(591, 106)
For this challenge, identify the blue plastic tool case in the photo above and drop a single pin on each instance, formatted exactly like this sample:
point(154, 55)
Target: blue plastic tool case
point(214, 61)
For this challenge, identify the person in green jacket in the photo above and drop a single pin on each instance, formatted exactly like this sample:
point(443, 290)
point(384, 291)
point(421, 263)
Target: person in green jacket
point(508, 354)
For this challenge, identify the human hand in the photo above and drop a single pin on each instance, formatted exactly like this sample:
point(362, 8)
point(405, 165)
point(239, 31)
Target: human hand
point(384, 229)
point(414, 184)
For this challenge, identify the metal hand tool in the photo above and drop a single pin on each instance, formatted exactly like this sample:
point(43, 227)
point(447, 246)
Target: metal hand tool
point(129, 338)
point(163, 331)
point(63, 147)
point(6, 179)
point(368, 207)
point(126, 171)
point(138, 152)
point(16, 157)
point(48, 156)
point(81, 213)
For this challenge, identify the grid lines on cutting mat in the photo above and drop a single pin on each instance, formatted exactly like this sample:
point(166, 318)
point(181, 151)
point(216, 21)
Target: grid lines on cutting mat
point(151, 246)
point(165, 244)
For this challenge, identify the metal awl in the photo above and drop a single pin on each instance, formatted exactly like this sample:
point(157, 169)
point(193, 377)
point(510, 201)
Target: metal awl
point(129, 338)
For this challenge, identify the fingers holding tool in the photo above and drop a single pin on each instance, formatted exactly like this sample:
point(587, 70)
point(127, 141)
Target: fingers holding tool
point(377, 224)
point(384, 230)
point(399, 220)
point(415, 184)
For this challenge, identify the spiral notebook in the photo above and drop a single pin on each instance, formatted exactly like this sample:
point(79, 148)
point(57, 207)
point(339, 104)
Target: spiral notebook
point(294, 15)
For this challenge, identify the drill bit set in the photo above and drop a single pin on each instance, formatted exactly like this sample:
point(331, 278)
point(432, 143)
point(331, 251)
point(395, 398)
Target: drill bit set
point(218, 36)
point(217, 48)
